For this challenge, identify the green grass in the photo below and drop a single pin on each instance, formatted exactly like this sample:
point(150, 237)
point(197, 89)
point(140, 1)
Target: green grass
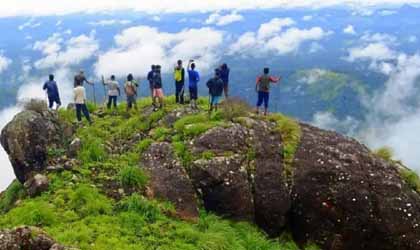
point(411, 178)
point(13, 193)
point(132, 177)
point(291, 134)
point(385, 153)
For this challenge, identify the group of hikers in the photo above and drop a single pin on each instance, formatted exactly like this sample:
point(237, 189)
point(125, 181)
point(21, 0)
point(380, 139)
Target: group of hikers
point(218, 85)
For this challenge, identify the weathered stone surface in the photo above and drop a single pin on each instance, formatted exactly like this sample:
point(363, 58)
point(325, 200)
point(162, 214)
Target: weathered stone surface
point(271, 194)
point(74, 147)
point(222, 140)
point(26, 139)
point(342, 195)
point(27, 238)
point(224, 185)
point(36, 185)
point(169, 181)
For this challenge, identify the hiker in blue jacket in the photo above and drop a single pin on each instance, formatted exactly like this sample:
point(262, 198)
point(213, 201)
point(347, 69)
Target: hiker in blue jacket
point(215, 86)
point(193, 78)
point(52, 91)
point(150, 76)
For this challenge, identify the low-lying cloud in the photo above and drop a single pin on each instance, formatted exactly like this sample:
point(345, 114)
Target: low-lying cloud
point(222, 20)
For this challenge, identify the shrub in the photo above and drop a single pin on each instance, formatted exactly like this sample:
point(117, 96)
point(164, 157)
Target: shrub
point(143, 145)
point(31, 213)
point(86, 200)
point(411, 178)
point(92, 150)
point(14, 192)
point(150, 210)
point(132, 177)
point(36, 105)
point(386, 153)
point(233, 108)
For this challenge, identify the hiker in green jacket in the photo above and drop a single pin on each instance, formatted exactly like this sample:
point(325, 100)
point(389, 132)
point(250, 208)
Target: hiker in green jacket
point(262, 87)
point(179, 75)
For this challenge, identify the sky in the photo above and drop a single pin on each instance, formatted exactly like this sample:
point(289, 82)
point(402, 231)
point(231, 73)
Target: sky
point(207, 40)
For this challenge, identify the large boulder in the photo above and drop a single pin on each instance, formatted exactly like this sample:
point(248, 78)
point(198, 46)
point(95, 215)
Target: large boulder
point(27, 138)
point(169, 181)
point(27, 238)
point(344, 196)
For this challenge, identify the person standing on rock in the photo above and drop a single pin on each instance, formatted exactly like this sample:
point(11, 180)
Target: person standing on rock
point(130, 88)
point(215, 86)
point(113, 91)
point(80, 101)
point(157, 89)
point(263, 89)
point(150, 79)
point(224, 75)
point(179, 75)
point(193, 78)
point(52, 91)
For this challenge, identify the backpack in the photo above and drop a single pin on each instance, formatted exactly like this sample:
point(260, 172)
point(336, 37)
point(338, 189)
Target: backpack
point(178, 74)
point(130, 89)
point(264, 84)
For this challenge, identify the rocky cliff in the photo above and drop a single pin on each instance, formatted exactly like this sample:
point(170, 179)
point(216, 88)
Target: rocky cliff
point(323, 188)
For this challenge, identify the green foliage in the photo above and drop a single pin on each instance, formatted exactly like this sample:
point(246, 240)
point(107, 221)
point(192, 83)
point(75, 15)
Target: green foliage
point(150, 210)
point(132, 177)
point(233, 108)
point(208, 155)
point(183, 153)
point(143, 145)
point(93, 150)
point(194, 125)
point(13, 193)
point(291, 133)
point(160, 133)
point(385, 153)
point(411, 178)
point(36, 212)
point(55, 152)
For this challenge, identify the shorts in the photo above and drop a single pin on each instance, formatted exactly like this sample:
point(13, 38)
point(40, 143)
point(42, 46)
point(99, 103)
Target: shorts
point(131, 100)
point(158, 93)
point(263, 97)
point(193, 93)
point(215, 100)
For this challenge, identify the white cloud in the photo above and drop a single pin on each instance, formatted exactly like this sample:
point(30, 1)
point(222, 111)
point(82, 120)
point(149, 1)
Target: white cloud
point(222, 20)
point(307, 18)
point(77, 49)
point(379, 37)
point(316, 47)
point(272, 37)
point(388, 12)
point(156, 18)
point(110, 22)
point(273, 27)
point(349, 30)
point(58, 23)
point(29, 24)
point(4, 63)
point(63, 7)
point(136, 45)
point(327, 120)
point(373, 51)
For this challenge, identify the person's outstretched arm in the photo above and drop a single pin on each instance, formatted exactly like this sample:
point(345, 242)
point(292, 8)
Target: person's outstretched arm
point(274, 79)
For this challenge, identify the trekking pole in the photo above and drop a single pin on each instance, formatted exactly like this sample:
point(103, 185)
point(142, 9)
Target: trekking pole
point(94, 95)
point(103, 83)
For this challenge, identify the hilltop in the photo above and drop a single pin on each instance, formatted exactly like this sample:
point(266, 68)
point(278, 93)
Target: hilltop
point(181, 179)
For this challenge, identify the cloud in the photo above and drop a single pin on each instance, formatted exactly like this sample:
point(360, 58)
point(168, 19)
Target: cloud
point(273, 37)
point(315, 47)
point(77, 49)
point(379, 37)
point(349, 30)
point(29, 24)
point(156, 18)
point(373, 51)
point(4, 63)
point(388, 12)
point(307, 18)
point(412, 39)
point(327, 120)
point(64, 7)
point(110, 22)
point(222, 20)
point(138, 47)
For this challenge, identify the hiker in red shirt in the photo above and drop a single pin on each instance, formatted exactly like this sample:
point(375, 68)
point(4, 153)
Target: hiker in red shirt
point(263, 89)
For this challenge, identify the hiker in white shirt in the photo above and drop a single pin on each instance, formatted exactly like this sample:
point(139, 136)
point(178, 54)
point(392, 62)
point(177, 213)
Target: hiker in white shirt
point(80, 101)
point(113, 91)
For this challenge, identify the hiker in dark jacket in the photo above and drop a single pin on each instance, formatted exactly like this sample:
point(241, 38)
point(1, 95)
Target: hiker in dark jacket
point(224, 75)
point(80, 79)
point(52, 91)
point(150, 79)
point(215, 86)
point(262, 87)
point(157, 88)
point(179, 75)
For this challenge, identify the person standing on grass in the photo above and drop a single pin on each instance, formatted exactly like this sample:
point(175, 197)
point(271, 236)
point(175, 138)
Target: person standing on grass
point(215, 86)
point(157, 89)
point(52, 91)
point(193, 78)
point(113, 91)
point(224, 75)
point(80, 101)
point(150, 79)
point(179, 75)
point(80, 79)
point(263, 89)
point(130, 89)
